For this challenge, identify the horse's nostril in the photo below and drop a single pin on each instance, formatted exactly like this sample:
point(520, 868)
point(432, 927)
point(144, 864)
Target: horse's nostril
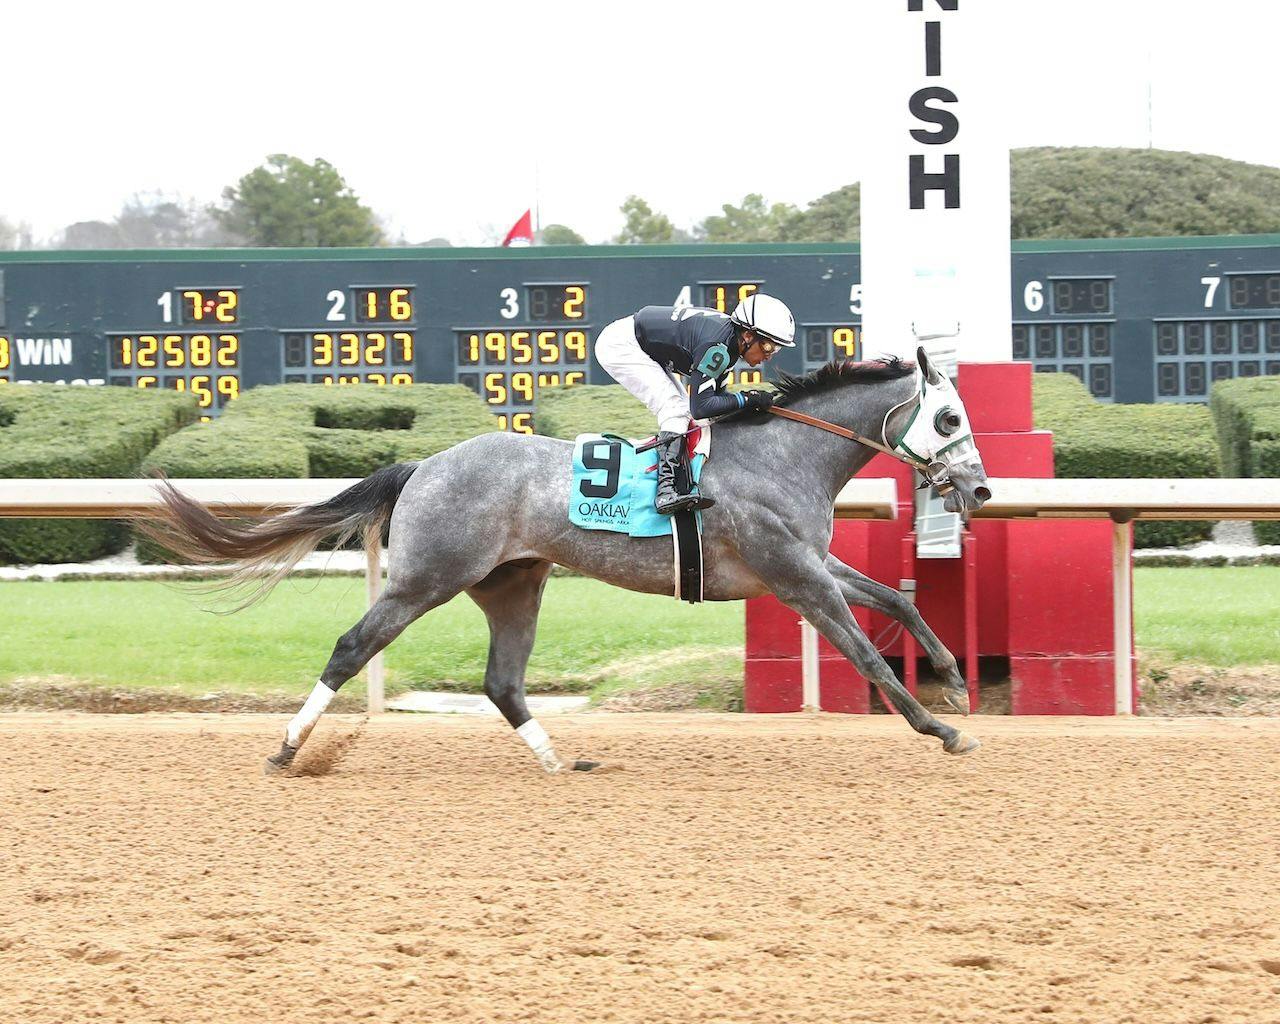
point(982, 494)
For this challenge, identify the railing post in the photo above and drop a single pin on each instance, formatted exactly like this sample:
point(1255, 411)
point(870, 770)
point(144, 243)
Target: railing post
point(810, 683)
point(1122, 609)
point(373, 587)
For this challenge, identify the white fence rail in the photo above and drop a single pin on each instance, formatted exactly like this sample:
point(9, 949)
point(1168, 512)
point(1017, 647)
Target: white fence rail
point(1121, 501)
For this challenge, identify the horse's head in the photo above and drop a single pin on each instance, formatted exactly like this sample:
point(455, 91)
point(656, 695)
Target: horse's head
point(932, 427)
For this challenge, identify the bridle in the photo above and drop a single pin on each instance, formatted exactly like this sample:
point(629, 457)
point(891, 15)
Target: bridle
point(935, 474)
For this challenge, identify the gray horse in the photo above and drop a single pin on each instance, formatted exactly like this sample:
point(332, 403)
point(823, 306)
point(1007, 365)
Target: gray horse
point(489, 517)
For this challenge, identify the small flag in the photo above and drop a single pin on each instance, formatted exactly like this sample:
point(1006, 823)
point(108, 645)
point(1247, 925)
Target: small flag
point(522, 232)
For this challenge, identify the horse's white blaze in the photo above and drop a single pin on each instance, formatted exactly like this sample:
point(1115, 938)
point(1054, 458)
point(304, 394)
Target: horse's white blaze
point(300, 726)
point(540, 743)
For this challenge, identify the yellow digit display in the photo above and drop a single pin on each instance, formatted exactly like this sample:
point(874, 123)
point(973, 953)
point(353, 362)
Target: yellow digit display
point(148, 346)
point(4, 353)
point(575, 296)
point(175, 355)
point(228, 304)
point(846, 340)
point(495, 343)
point(495, 391)
point(322, 349)
point(201, 350)
point(523, 360)
point(522, 385)
point(199, 305)
point(228, 350)
point(744, 378)
point(520, 422)
point(723, 297)
point(380, 305)
point(348, 349)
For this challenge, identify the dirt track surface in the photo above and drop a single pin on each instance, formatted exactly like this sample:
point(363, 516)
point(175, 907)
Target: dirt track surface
point(730, 868)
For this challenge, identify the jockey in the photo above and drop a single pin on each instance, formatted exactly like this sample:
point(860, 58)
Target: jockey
point(642, 351)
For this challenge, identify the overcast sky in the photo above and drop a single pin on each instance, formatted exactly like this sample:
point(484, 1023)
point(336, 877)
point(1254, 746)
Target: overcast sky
point(444, 116)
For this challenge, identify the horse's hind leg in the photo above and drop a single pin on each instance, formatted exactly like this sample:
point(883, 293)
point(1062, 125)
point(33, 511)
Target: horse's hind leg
point(868, 593)
point(394, 609)
point(510, 598)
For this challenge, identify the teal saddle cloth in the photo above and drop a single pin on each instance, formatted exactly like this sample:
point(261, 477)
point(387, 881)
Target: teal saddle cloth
point(614, 487)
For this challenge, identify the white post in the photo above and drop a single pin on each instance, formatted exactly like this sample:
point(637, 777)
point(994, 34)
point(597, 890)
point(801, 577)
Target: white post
point(811, 694)
point(1122, 610)
point(373, 587)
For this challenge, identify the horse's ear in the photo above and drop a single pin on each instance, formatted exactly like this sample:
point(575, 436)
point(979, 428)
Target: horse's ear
point(930, 371)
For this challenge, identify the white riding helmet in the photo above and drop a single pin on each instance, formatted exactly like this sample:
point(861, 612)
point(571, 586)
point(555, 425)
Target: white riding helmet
point(768, 316)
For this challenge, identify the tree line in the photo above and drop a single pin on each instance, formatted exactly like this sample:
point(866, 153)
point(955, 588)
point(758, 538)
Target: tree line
point(1054, 193)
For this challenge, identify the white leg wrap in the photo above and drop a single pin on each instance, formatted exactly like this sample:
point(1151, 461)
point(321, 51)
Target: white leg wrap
point(300, 726)
point(540, 743)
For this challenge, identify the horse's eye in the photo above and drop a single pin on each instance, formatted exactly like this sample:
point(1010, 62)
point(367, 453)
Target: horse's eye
point(947, 421)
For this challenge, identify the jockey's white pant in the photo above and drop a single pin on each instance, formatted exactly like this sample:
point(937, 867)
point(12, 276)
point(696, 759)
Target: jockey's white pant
point(618, 351)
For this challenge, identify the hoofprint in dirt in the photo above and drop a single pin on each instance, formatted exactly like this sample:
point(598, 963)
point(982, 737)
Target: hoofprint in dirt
point(734, 868)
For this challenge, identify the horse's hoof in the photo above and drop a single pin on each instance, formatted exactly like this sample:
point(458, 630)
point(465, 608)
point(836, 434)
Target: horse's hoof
point(960, 743)
point(277, 763)
point(585, 766)
point(958, 699)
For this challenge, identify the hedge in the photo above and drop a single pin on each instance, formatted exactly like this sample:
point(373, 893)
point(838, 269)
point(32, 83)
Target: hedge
point(309, 430)
point(1247, 414)
point(48, 431)
point(1093, 439)
point(591, 409)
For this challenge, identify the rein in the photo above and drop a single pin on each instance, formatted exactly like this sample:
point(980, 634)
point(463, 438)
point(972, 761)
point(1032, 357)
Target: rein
point(845, 432)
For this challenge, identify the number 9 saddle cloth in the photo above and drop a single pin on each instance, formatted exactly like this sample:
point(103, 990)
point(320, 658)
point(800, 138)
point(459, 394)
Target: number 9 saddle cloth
point(614, 486)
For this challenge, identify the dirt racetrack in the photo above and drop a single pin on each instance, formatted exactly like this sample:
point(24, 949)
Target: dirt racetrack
point(730, 868)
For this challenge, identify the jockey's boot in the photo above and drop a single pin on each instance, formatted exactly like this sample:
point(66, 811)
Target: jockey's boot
point(674, 484)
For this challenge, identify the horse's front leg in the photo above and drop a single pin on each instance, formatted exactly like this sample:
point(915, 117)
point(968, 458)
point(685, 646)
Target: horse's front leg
point(796, 575)
point(867, 593)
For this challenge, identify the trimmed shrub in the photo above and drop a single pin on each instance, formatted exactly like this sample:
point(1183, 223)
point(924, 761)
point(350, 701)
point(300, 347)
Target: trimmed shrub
point(1247, 414)
point(309, 430)
point(287, 431)
point(47, 431)
point(591, 409)
point(1093, 439)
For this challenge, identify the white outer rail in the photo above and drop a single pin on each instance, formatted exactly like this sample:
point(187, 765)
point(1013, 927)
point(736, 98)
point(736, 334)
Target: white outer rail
point(1125, 501)
point(1121, 500)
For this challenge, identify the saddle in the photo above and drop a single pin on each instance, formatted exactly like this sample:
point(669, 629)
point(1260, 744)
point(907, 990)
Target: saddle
point(614, 486)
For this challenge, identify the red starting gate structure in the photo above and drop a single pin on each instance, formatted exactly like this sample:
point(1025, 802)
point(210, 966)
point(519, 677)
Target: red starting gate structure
point(1039, 594)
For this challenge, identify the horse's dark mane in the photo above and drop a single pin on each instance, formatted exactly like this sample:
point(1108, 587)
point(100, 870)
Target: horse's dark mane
point(839, 373)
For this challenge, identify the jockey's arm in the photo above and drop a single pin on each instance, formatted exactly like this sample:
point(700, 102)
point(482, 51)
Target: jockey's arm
point(708, 399)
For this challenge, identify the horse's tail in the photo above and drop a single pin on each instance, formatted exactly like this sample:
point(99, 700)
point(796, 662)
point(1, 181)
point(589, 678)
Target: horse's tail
point(263, 551)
